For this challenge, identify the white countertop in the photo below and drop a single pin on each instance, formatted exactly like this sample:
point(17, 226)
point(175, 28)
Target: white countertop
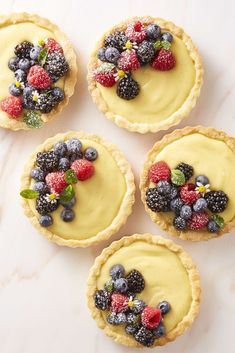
point(42, 286)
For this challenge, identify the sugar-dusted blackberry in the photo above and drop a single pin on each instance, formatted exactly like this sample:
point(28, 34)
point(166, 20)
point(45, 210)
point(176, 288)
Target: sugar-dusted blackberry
point(28, 101)
point(133, 319)
point(22, 50)
point(45, 204)
point(116, 40)
point(128, 88)
point(135, 281)
point(138, 306)
point(56, 65)
point(145, 52)
point(179, 223)
point(46, 102)
point(102, 299)
point(47, 161)
point(116, 318)
point(186, 169)
point(131, 329)
point(144, 337)
point(216, 201)
point(157, 202)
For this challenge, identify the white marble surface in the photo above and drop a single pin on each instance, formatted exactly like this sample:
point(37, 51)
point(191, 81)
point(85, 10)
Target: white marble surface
point(42, 286)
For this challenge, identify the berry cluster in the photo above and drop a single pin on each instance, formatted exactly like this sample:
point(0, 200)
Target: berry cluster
point(119, 298)
point(195, 206)
point(36, 69)
point(127, 51)
point(55, 173)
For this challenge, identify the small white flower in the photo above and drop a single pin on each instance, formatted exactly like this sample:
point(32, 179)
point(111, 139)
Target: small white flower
point(202, 189)
point(130, 45)
point(36, 96)
point(52, 197)
point(19, 84)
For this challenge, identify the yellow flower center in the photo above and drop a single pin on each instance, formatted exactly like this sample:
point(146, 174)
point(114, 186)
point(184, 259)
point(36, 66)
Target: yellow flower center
point(41, 42)
point(52, 196)
point(35, 97)
point(18, 84)
point(130, 303)
point(128, 45)
point(121, 73)
point(202, 189)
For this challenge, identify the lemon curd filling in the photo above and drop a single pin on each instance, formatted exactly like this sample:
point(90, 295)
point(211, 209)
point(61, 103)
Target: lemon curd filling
point(98, 199)
point(209, 157)
point(165, 278)
point(161, 92)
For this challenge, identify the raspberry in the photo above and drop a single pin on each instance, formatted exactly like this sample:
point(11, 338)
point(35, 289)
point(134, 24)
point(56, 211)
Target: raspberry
point(128, 60)
point(119, 302)
point(84, 169)
point(198, 220)
point(164, 60)
point(159, 171)
point(52, 46)
point(104, 74)
point(12, 106)
point(135, 32)
point(150, 317)
point(56, 181)
point(38, 77)
point(188, 194)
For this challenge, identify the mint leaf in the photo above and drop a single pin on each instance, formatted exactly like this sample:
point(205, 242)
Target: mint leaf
point(165, 44)
point(32, 119)
point(29, 194)
point(218, 220)
point(42, 56)
point(177, 177)
point(71, 177)
point(67, 194)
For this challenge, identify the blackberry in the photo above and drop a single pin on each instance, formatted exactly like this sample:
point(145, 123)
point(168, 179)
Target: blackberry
point(116, 318)
point(28, 102)
point(135, 281)
point(131, 329)
point(128, 88)
point(46, 102)
point(47, 161)
point(56, 65)
point(145, 52)
point(216, 201)
point(102, 299)
point(144, 336)
point(180, 223)
point(45, 205)
point(116, 40)
point(156, 202)
point(186, 169)
point(133, 319)
point(138, 306)
point(22, 50)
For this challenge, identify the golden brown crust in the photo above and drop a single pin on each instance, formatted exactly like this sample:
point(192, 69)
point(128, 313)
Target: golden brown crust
point(189, 266)
point(157, 217)
point(71, 76)
point(186, 107)
point(125, 208)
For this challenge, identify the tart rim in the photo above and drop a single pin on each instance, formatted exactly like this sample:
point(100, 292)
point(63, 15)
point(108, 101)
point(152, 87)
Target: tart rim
point(70, 55)
point(125, 207)
point(185, 108)
point(189, 265)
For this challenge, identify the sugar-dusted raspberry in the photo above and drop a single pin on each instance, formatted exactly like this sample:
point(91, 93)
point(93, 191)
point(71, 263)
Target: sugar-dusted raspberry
point(119, 302)
point(84, 169)
point(53, 45)
point(159, 171)
point(188, 193)
point(151, 317)
point(198, 220)
point(12, 106)
point(38, 77)
point(136, 32)
point(56, 181)
point(128, 60)
point(164, 60)
point(105, 74)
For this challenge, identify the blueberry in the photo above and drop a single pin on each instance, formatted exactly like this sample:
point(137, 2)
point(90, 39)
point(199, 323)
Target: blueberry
point(159, 331)
point(202, 179)
point(70, 204)
point(34, 52)
point(153, 31)
point(91, 154)
point(179, 223)
point(176, 205)
point(15, 91)
point(13, 63)
point(121, 285)
point(58, 93)
point(60, 148)
point(37, 174)
point(138, 306)
point(167, 37)
point(164, 306)
point(163, 187)
point(67, 215)
point(41, 187)
point(112, 54)
point(101, 54)
point(46, 220)
point(212, 226)
point(186, 212)
point(64, 164)
point(74, 146)
point(173, 193)
point(200, 205)
point(20, 75)
point(24, 64)
point(117, 271)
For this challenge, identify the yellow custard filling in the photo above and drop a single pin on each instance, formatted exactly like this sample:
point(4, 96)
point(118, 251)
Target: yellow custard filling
point(165, 278)
point(209, 157)
point(161, 92)
point(98, 199)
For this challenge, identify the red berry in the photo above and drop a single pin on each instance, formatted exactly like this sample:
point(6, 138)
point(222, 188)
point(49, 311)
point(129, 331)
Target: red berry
point(104, 74)
point(52, 46)
point(198, 220)
point(151, 317)
point(84, 169)
point(159, 171)
point(188, 194)
point(12, 106)
point(164, 60)
point(38, 77)
point(135, 32)
point(56, 182)
point(128, 60)
point(119, 302)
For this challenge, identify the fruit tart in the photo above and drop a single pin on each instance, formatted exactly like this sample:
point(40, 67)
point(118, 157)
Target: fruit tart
point(77, 189)
point(38, 71)
point(134, 293)
point(145, 74)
